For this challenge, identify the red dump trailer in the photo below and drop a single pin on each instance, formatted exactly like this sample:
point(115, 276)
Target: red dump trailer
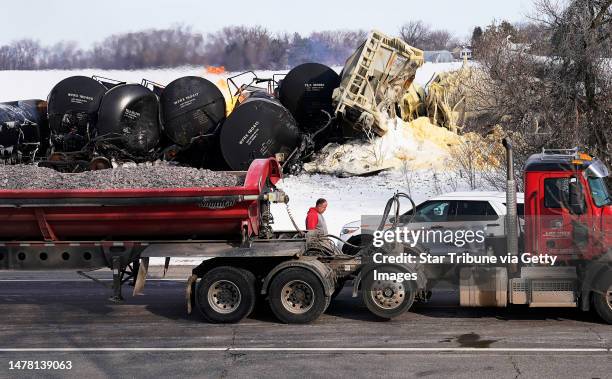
point(243, 259)
point(173, 213)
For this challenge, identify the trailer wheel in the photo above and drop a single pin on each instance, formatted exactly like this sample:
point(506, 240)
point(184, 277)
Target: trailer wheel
point(603, 301)
point(387, 298)
point(297, 296)
point(226, 294)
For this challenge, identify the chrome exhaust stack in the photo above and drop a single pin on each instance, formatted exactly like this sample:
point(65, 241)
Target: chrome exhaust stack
point(511, 212)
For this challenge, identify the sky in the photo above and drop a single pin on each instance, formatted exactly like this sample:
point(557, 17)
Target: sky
point(87, 22)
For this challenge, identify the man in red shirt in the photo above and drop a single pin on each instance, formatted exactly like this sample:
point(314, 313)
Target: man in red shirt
point(314, 218)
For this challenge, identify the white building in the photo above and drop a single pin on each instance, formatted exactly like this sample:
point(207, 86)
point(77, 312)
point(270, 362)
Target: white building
point(465, 53)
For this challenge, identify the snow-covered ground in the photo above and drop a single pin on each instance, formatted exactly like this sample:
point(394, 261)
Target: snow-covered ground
point(21, 85)
point(427, 71)
point(350, 198)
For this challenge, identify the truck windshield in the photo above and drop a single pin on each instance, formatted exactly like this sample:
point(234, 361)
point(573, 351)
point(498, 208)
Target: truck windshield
point(599, 192)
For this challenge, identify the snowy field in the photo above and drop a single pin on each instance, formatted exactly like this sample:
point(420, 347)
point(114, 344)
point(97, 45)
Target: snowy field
point(21, 85)
point(348, 198)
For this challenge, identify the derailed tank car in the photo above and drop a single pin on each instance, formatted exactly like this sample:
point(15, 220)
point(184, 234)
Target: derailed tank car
point(307, 91)
point(192, 110)
point(191, 107)
point(24, 130)
point(128, 123)
point(259, 127)
point(73, 105)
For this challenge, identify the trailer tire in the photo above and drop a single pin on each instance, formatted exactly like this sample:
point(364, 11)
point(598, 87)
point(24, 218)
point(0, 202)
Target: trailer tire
point(297, 296)
point(387, 299)
point(226, 294)
point(603, 301)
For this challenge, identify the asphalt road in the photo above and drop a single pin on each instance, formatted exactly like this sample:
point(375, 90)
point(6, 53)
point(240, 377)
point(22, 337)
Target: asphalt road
point(57, 316)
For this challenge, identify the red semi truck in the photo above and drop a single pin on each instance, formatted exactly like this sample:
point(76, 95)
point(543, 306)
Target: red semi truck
point(567, 215)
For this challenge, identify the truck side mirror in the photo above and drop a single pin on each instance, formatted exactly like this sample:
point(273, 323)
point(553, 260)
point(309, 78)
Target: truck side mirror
point(576, 197)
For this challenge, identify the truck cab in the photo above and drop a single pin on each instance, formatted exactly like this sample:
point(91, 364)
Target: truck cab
point(567, 206)
point(565, 261)
point(568, 216)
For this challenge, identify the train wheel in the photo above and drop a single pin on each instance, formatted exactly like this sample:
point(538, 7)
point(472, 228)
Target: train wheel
point(226, 294)
point(603, 301)
point(387, 298)
point(58, 157)
point(99, 163)
point(297, 296)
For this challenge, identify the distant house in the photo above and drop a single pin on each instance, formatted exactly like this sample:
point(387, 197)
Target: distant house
point(465, 52)
point(439, 56)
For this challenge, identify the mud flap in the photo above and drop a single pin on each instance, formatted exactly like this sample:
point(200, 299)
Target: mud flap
point(166, 265)
point(143, 270)
point(356, 283)
point(189, 292)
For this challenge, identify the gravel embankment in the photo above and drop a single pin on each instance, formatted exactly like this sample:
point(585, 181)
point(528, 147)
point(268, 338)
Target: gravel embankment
point(160, 176)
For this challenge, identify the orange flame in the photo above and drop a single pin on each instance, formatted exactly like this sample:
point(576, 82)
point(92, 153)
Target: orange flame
point(215, 69)
point(229, 102)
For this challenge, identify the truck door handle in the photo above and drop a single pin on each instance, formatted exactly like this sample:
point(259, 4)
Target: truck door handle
point(436, 227)
point(492, 224)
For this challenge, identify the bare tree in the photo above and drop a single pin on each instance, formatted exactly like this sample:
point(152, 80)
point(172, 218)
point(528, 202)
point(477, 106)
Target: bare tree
point(150, 48)
point(415, 33)
point(465, 155)
point(552, 90)
point(334, 47)
point(65, 55)
point(419, 35)
point(21, 55)
point(234, 47)
point(440, 40)
point(375, 146)
point(581, 35)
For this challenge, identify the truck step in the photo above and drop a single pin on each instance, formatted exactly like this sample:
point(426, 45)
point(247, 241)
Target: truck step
point(543, 292)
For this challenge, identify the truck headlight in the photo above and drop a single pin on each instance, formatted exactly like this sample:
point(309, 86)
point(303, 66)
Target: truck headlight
point(349, 230)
